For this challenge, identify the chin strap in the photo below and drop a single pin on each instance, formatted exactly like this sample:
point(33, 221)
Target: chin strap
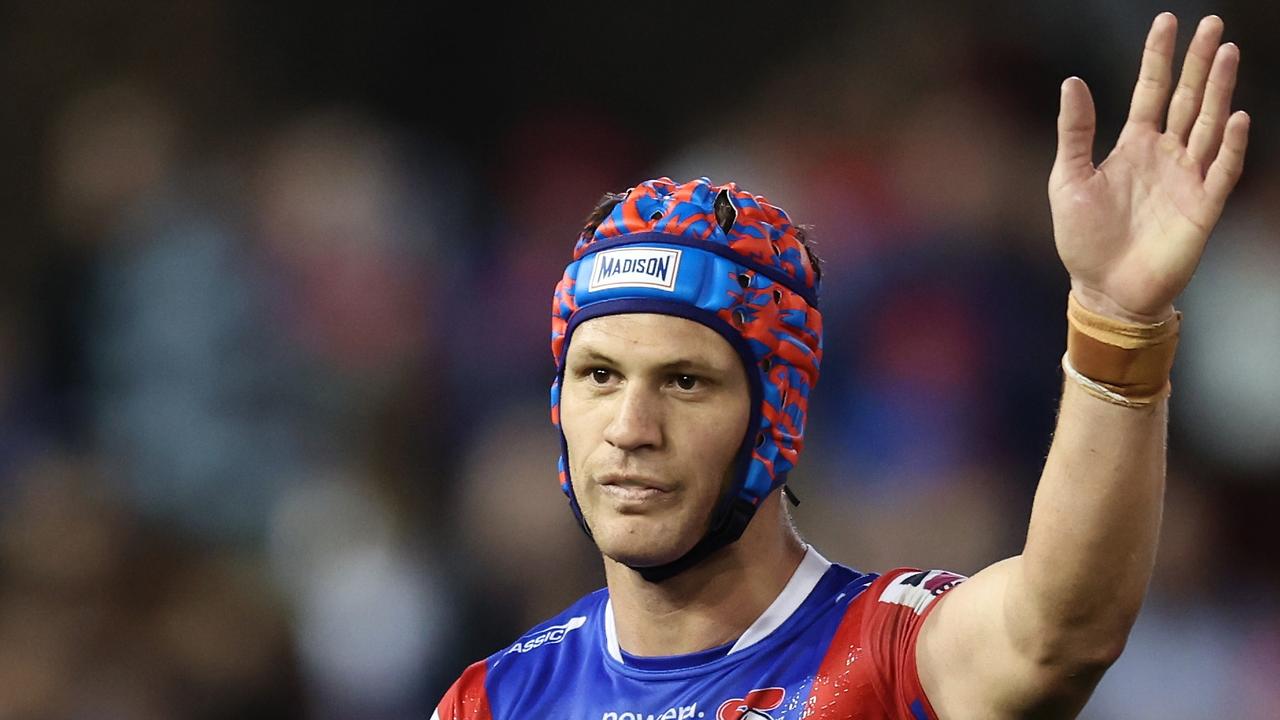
point(791, 495)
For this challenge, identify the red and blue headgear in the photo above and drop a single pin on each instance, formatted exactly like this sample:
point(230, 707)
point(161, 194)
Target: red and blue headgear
point(731, 261)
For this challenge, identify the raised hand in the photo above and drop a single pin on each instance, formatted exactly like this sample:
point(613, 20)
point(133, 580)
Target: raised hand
point(1131, 231)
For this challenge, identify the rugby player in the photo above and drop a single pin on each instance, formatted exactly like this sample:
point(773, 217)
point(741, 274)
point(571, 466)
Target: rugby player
point(687, 337)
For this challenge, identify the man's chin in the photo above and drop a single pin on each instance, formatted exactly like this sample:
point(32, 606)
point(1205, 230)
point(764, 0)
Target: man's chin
point(641, 541)
point(639, 552)
point(640, 560)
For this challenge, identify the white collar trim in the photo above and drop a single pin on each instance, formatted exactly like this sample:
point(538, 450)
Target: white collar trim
point(611, 632)
point(803, 581)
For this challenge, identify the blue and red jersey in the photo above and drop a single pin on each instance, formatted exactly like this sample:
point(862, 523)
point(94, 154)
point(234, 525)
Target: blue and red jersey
point(836, 643)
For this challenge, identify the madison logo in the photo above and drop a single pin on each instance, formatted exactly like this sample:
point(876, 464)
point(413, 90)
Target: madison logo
point(754, 706)
point(635, 267)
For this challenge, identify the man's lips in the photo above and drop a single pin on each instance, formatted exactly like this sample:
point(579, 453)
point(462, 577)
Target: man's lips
point(632, 488)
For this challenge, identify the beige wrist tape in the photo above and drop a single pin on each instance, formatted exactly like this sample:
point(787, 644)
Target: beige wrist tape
point(1123, 363)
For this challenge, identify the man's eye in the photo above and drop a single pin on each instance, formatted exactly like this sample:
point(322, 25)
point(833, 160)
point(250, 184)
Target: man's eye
point(600, 376)
point(686, 382)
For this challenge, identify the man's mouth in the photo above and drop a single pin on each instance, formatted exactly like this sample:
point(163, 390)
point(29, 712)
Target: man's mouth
point(632, 488)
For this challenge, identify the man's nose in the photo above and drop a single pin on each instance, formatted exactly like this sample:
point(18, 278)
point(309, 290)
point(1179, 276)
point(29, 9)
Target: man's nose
point(637, 420)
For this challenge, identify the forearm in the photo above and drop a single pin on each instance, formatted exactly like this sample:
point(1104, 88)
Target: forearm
point(1094, 526)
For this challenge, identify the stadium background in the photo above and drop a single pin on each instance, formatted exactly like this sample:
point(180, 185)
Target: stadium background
point(274, 314)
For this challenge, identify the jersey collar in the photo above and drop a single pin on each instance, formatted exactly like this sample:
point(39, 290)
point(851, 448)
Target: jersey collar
point(805, 578)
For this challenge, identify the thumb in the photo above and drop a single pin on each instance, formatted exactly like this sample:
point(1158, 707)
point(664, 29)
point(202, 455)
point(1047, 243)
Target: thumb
point(1076, 124)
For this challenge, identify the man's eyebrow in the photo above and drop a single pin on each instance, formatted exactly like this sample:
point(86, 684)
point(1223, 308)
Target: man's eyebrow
point(597, 356)
point(690, 364)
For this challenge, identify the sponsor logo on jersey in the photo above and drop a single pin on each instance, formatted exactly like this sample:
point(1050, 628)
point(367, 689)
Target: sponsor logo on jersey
point(916, 590)
point(679, 712)
point(635, 267)
point(754, 706)
point(549, 636)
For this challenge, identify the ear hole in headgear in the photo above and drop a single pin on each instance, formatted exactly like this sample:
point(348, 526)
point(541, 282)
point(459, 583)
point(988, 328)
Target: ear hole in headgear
point(740, 317)
point(766, 364)
point(726, 213)
point(744, 280)
point(657, 215)
point(760, 439)
point(777, 296)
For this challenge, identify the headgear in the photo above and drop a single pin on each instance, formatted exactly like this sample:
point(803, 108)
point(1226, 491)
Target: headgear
point(731, 261)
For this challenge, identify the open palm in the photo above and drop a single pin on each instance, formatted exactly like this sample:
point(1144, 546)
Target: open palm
point(1131, 230)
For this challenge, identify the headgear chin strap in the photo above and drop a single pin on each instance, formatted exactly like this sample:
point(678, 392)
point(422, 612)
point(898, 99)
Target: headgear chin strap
point(731, 261)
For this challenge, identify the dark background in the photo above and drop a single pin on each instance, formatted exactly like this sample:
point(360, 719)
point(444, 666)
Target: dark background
point(274, 319)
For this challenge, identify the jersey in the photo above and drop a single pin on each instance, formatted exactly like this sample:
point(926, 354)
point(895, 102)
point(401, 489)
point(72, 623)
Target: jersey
point(836, 643)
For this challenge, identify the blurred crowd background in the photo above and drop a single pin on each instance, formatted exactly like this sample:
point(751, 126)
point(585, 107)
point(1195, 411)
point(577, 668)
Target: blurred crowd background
point(274, 319)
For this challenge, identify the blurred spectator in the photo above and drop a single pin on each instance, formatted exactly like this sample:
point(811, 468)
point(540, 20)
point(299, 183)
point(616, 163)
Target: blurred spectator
point(358, 582)
point(102, 613)
point(1228, 378)
point(514, 516)
point(1187, 656)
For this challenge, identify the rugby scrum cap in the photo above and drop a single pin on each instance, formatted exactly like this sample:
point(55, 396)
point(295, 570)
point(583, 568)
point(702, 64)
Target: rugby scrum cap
point(731, 261)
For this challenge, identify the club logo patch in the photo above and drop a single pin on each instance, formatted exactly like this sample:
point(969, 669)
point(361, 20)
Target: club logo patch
point(755, 706)
point(917, 590)
point(635, 267)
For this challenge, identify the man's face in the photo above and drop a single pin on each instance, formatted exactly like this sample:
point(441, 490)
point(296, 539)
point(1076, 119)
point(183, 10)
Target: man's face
point(654, 409)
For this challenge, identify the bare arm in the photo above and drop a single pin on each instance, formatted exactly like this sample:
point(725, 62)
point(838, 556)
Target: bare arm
point(1030, 636)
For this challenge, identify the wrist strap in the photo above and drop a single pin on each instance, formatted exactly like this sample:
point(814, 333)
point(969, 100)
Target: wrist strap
point(1102, 392)
point(1123, 363)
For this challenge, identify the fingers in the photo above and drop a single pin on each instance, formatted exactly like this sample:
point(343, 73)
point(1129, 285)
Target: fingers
point(1152, 90)
point(1195, 70)
point(1206, 134)
point(1076, 125)
point(1226, 168)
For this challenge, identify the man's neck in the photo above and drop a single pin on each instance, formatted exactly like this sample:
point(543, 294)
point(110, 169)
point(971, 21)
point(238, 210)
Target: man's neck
point(711, 603)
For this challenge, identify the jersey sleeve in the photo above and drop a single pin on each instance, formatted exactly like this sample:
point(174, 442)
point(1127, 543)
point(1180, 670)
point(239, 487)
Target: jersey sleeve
point(894, 610)
point(467, 699)
point(869, 670)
